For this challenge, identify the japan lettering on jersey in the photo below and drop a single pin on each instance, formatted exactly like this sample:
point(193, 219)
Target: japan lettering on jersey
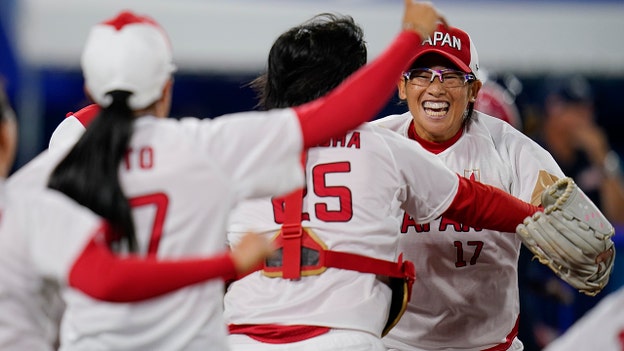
point(355, 186)
point(472, 269)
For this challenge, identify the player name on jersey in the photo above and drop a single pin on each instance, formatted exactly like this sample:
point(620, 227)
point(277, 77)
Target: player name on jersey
point(349, 140)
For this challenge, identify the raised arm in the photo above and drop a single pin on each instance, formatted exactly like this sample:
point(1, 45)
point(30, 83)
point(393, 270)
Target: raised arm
point(359, 98)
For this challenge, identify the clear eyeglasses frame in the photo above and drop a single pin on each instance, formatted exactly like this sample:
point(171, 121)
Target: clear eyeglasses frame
point(449, 78)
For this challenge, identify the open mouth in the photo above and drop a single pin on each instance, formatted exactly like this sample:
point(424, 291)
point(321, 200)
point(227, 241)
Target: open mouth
point(436, 108)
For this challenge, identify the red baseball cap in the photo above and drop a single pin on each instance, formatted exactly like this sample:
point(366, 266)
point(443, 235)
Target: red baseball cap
point(455, 45)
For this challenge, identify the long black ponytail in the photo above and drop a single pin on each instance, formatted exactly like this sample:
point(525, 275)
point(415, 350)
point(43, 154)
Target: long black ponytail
point(89, 173)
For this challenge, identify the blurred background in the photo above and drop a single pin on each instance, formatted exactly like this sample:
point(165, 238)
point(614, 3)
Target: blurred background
point(221, 45)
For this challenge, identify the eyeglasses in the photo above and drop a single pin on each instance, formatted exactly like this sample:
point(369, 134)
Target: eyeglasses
point(449, 78)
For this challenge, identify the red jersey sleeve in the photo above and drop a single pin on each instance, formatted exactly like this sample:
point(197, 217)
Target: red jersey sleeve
point(360, 97)
point(484, 206)
point(100, 273)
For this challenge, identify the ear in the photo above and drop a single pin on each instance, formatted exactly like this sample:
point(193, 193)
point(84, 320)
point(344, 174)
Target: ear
point(474, 90)
point(401, 86)
point(163, 105)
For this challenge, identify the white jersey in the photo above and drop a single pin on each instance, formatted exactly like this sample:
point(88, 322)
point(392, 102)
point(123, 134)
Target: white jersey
point(41, 234)
point(602, 328)
point(355, 187)
point(183, 178)
point(466, 290)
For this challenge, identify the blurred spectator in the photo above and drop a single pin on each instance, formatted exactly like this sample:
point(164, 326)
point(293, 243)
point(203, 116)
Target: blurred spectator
point(568, 129)
point(580, 146)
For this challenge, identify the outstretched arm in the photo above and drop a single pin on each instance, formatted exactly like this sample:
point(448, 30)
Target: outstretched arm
point(100, 273)
point(484, 206)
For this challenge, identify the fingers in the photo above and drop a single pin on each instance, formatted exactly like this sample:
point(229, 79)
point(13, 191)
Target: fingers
point(251, 251)
point(422, 17)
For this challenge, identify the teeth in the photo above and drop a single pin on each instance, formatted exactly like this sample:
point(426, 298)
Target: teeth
point(435, 105)
point(436, 109)
point(435, 113)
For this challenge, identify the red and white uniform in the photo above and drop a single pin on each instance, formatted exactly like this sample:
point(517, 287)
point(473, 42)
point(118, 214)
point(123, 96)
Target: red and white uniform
point(36, 247)
point(354, 190)
point(355, 187)
point(466, 292)
point(602, 328)
point(183, 177)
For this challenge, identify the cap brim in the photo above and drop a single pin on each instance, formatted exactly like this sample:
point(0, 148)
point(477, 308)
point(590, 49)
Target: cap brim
point(453, 58)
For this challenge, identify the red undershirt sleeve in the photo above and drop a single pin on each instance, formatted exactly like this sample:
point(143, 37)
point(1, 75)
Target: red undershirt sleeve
point(483, 206)
point(360, 97)
point(103, 275)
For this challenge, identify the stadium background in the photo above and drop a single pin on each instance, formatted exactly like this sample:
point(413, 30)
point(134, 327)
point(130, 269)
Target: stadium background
point(220, 45)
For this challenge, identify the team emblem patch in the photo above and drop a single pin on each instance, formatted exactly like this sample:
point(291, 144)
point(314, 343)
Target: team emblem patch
point(473, 174)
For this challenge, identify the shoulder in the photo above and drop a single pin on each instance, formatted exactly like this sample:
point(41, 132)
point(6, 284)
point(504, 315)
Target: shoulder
point(396, 123)
point(497, 129)
point(35, 173)
point(73, 126)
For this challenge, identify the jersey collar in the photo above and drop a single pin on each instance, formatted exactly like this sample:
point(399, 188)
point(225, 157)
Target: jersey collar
point(431, 146)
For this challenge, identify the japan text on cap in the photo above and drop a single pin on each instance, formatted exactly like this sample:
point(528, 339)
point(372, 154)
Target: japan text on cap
point(454, 44)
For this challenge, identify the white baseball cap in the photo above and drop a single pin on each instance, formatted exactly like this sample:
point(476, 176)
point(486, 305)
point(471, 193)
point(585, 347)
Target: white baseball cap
point(128, 52)
point(454, 44)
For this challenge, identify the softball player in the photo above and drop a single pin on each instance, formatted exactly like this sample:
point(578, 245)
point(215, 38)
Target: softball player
point(468, 293)
point(183, 177)
point(47, 240)
point(356, 184)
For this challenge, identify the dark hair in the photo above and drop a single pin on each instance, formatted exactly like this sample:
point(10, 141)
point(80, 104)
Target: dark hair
point(89, 173)
point(309, 60)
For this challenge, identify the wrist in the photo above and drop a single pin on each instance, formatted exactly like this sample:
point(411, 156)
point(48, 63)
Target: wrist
point(418, 29)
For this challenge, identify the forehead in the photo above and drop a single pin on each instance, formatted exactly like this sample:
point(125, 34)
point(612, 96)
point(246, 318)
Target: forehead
point(433, 60)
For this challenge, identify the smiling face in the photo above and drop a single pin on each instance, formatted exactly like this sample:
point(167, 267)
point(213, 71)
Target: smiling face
point(438, 111)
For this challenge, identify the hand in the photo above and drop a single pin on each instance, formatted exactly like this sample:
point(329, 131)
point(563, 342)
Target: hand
point(250, 252)
point(421, 17)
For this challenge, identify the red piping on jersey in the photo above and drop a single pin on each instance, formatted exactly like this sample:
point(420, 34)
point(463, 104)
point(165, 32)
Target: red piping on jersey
point(484, 206)
point(103, 275)
point(508, 339)
point(431, 146)
point(86, 114)
point(277, 334)
point(360, 97)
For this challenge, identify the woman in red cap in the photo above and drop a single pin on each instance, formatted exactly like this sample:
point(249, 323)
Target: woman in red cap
point(466, 296)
